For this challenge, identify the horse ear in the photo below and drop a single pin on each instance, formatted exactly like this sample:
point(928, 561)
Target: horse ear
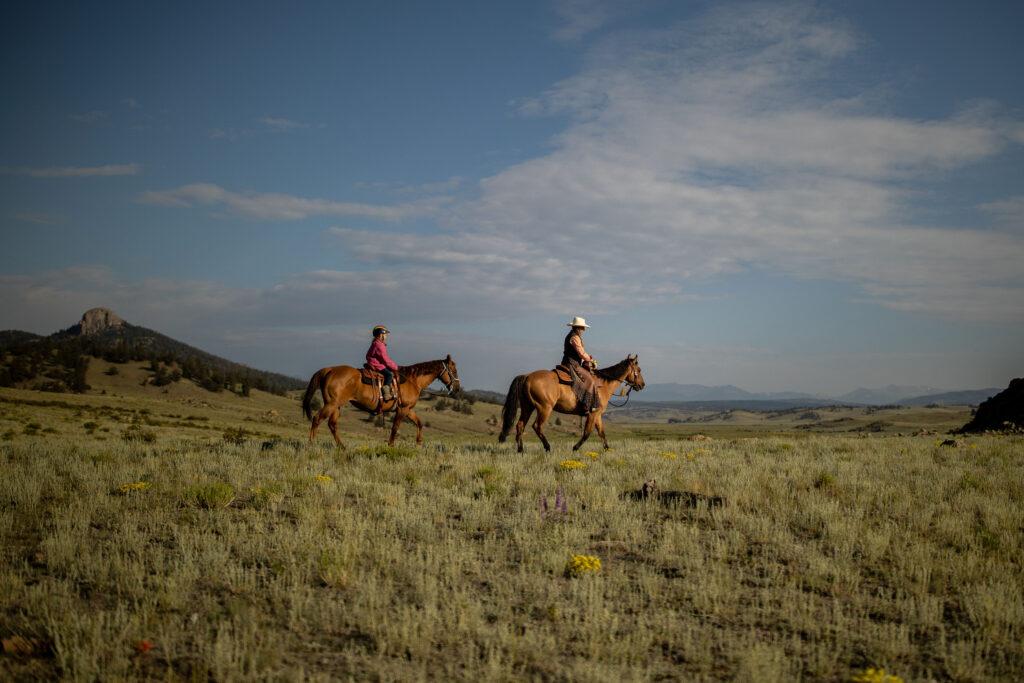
point(449, 357)
point(632, 356)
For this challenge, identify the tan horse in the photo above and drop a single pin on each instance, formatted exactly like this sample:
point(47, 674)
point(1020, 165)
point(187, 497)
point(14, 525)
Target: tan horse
point(343, 383)
point(542, 392)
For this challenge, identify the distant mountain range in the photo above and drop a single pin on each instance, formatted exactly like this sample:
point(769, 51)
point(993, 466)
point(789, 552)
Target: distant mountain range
point(892, 394)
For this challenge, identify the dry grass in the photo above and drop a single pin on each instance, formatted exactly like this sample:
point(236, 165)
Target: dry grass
point(830, 555)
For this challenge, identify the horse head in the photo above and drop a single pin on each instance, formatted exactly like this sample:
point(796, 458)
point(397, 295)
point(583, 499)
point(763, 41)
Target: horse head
point(449, 375)
point(634, 377)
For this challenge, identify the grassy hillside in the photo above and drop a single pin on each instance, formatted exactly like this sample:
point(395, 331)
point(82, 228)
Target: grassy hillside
point(119, 407)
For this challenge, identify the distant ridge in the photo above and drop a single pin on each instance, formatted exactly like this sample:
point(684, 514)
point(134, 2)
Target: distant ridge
point(101, 333)
point(675, 392)
point(887, 395)
point(966, 397)
point(729, 396)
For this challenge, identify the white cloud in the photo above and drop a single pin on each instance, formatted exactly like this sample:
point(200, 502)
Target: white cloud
point(282, 124)
point(90, 117)
point(75, 171)
point(277, 206)
point(440, 187)
point(708, 147)
point(1009, 211)
point(37, 217)
point(580, 17)
point(696, 151)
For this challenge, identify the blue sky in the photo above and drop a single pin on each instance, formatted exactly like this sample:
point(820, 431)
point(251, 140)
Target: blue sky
point(806, 196)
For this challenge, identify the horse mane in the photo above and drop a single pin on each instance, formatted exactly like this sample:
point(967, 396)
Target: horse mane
point(613, 371)
point(418, 369)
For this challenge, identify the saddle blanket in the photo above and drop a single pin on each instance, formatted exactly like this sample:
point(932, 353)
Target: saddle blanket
point(370, 376)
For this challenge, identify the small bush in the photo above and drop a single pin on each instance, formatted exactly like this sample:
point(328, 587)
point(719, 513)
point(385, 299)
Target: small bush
point(135, 433)
point(210, 496)
point(266, 496)
point(333, 570)
point(235, 435)
point(824, 480)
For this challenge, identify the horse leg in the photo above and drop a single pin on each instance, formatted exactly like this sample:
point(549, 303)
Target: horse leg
point(332, 422)
point(587, 428)
point(524, 418)
point(599, 425)
point(415, 419)
point(538, 426)
point(399, 416)
point(323, 414)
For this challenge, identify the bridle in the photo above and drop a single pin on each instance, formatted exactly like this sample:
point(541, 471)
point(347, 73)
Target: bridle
point(452, 381)
point(628, 384)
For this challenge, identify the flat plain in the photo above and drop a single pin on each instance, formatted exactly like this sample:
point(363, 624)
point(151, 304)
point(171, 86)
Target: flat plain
point(185, 536)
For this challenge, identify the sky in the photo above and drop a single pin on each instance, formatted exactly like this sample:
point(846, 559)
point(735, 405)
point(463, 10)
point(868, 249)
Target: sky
point(808, 196)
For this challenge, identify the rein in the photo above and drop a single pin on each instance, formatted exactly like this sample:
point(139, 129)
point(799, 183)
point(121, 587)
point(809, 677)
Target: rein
point(625, 389)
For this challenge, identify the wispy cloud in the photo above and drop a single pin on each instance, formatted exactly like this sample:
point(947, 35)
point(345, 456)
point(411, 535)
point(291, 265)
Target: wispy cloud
point(276, 206)
point(37, 217)
point(90, 117)
point(282, 124)
point(1009, 211)
point(265, 125)
point(708, 148)
point(74, 171)
point(439, 187)
point(131, 103)
point(577, 18)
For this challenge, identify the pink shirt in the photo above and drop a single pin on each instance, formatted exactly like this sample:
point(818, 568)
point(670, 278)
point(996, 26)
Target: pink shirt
point(377, 357)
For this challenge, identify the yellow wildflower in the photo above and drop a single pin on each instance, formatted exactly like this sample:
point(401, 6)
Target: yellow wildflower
point(572, 465)
point(324, 478)
point(873, 675)
point(591, 454)
point(579, 565)
point(668, 455)
point(133, 486)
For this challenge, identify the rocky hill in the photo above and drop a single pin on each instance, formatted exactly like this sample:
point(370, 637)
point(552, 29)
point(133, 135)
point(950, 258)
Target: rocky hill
point(59, 361)
point(1002, 412)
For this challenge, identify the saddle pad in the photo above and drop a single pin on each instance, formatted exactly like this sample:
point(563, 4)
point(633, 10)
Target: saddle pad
point(372, 376)
point(563, 374)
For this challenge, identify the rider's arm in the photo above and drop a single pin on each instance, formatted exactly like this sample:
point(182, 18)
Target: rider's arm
point(386, 359)
point(578, 344)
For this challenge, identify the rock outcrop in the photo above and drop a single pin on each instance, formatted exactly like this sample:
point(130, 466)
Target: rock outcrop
point(1002, 412)
point(96, 320)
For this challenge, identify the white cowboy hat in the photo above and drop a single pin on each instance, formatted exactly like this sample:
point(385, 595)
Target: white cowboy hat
point(577, 322)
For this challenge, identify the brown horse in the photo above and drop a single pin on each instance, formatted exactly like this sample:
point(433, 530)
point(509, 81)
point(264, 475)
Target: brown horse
point(343, 383)
point(542, 392)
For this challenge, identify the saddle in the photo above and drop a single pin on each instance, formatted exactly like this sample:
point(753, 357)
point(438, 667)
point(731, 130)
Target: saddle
point(375, 378)
point(564, 374)
point(371, 376)
point(586, 398)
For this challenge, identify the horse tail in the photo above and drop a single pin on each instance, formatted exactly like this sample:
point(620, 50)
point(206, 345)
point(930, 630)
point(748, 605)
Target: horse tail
point(508, 413)
point(307, 400)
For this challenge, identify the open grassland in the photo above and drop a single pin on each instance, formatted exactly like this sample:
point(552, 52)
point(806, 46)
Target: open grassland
point(200, 558)
point(669, 421)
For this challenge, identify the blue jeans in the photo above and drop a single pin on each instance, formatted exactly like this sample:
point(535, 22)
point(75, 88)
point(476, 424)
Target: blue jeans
point(388, 377)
